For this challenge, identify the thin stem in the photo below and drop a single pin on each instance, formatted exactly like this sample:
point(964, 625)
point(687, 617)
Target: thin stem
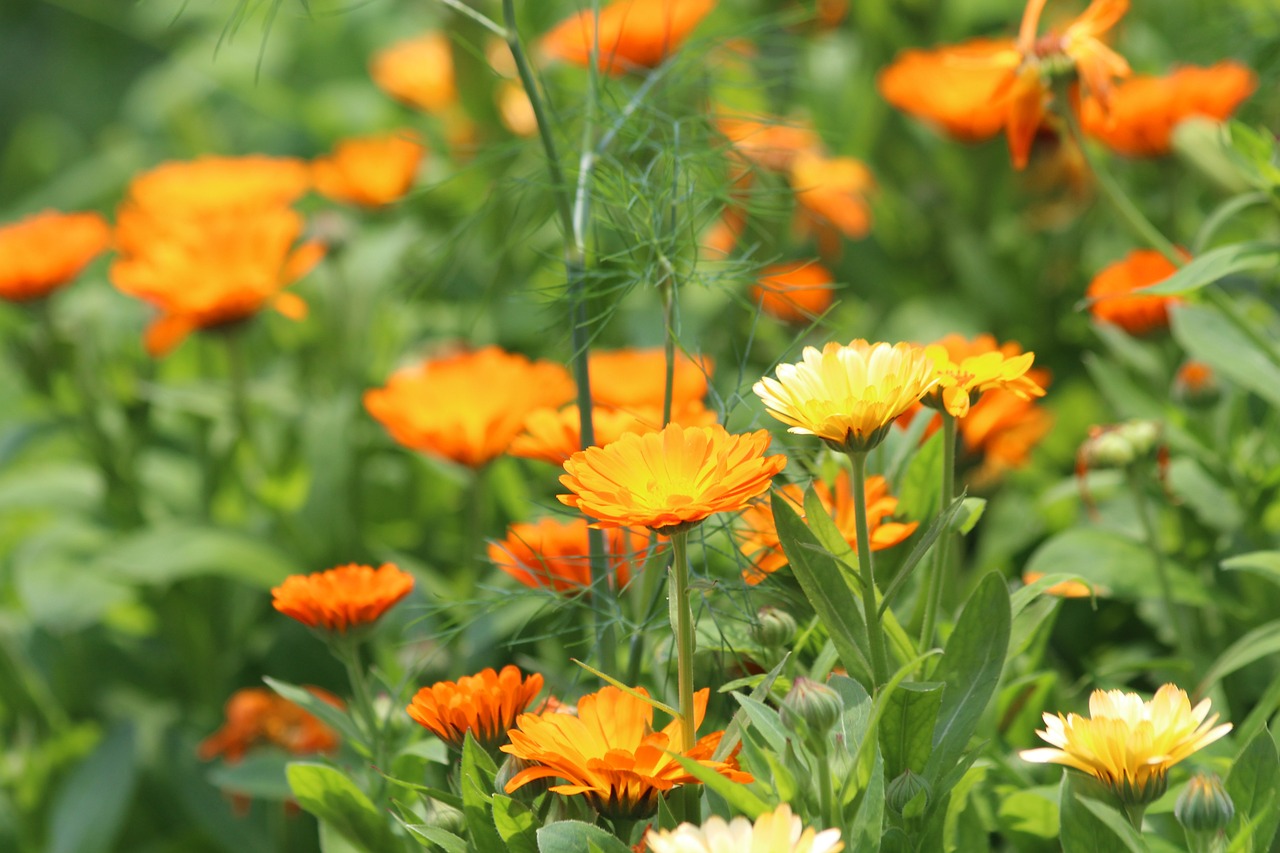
point(348, 651)
point(1172, 613)
point(683, 629)
point(942, 548)
point(669, 347)
point(238, 375)
point(825, 794)
point(875, 636)
point(1135, 812)
point(483, 20)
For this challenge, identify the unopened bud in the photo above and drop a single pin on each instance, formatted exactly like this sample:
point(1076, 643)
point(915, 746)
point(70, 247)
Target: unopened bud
point(774, 628)
point(1196, 385)
point(445, 817)
point(908, 794)
point(1119, 446)
point(1204, 805)
point(811, 707)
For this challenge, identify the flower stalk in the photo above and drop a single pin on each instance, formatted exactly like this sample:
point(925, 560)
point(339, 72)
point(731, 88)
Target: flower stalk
point(875, 636)
point(941, 552)
point(683, 628)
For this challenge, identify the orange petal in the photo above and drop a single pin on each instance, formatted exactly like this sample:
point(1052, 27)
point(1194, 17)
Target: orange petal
point(290, 305)
point(166, 332)
point(302, 260)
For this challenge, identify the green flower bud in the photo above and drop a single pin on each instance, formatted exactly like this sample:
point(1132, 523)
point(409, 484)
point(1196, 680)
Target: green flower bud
point(1204, 805)
point(446, 817)
point(908, 795)
point(774, 628)
point(811, 708)
point(1196, 386)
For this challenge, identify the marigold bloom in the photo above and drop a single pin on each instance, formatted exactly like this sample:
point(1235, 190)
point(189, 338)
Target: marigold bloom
point(555, 554)
point(610, 752)
point(1116, 297)
point(670, 479)
point(832, 196)
point(965, 369)
point(759, 541)
point(209, 184)
point(1129, 744)
point(848, 395)
point(1004, 428)
point(46, 250)
point(344, 598)
point(957, 87)
point(1145, 110)
point(767, 142)
point(371, 171)
point(485, 704)
point(632, 33)
point(418, 72)
point(778, 831)
point(636, 378)
point(554, 435)
point(257, 716)
point(467, 407)
point(794, 292)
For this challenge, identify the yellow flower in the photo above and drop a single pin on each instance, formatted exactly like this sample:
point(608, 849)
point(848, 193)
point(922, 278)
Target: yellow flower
point(1129, 744)
point(848, 395)
point(965, 369)
point(778, 831)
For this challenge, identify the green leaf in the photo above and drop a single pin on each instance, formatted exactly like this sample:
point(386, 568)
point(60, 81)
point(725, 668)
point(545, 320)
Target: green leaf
point(970, 670)
point(820, 576)
point(333, 798)
point(259, 775)
point(918, 493)
point(90, 807)
point(1258, 643)
point(946, 521)
point(733, 732)
point(1210, 337)
point(333, 717)
point(906, 730)
point(868, 826)
point(516, 824)
point(1117, 823)
point(1253, 784)
point(741, 798)
point(1215, 265)
point(1033, 811)
point(765, 720)
point(1082, 806)
point(477, 782)
point(971, 510)
point(574, 836)
point(1214, 505)
point(445, 839)
point(1125, 568)
point(164, 555)
point(1263, 563)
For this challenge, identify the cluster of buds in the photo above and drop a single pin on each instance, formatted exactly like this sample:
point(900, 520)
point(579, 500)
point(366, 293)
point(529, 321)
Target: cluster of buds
point(1120, 446)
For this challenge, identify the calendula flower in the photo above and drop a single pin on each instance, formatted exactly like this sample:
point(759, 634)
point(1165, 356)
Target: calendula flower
point(794, 292)
point(553, 435)
point(485, 704)
point(965, 369)
point(610, 753)
point(1145, 110)
point(778, 831)
point(631, 33)
point(848, 395)
point(467, 407)
point(554, 554)
point(768, 142)
point(371, 171)
point(975, 89)
point(342, 599)
point(1129, 744)
point(257, 717)
point(759, 541)
point(1117, 298)
point(634, 379)
point(669, 480)
point(831, 194)
point(46, 250)
point(418, 71)
point(215, 184)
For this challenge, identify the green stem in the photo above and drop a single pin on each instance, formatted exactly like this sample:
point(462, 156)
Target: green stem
point(669, 346)
point(1135, 813)
point(942, 548)
point(473, 544)
point(875, 636)
point(825, 793)
point(1172, 612)
point(348, 651)
point(683, 629)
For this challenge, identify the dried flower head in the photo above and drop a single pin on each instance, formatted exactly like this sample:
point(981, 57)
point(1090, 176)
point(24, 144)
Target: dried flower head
point(485, 704)
point(342, 599)
point(46, 250)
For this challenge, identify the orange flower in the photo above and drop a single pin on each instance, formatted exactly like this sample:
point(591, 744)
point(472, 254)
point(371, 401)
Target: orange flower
point(1004, 428)
point(370, 171)
point(762, 548)
point(553, 436)
point(966, 369)
point(485, 704)
point(632, 33)
point(258, 716)
point(216, 184)
point(1115, 297)
point(418, 71)
point(46, 250)
point(553, 554)
point(671, 479)
point(610, 752)
point(469, 406)
point(768, 142)
point(636, 378)
point(794, 292)
point(1145, 110)
point(832, 197)
point(346, 597)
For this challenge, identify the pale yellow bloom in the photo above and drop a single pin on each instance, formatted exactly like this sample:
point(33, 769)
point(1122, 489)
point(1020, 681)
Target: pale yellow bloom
point(778, 831)
point(848, 395)
point(967, 368)
point(1127, 743)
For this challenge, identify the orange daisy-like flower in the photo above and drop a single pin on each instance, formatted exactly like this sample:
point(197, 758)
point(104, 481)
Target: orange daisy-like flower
point(794, 292)
point(467, 407)
point(966, 369)
point(554, 554)
point(635, 379)
point(832, 196)
point(671, 479)
point(344, 598)
point(215, 184)
point(632, 33)
point(760, 544)
point(257, 716)
point(610, 753)
point(1116, 293)
point(371, 171)
point(768, 142)
point(418, 72)
point(1145, 110)
point(46, 250)
point(553, 436)
point(485, 704)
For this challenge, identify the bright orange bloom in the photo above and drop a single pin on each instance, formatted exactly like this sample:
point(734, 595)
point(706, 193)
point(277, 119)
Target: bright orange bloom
point(768, 142)
point(1145, 110)
point(610, 752)
point(632, 33)
point(485, 704)
point(1066, 589)
point(554, 554)
point(832, 196)
point(974, 89)
point(553, 435)
point(370, 171)
point(257, 716)
point(671, 479)
point(759, 542)
point(966, 369)
point(216, 184)
point(636, 378)
point(46, 250)
point(418, 71)
point(1116, 297)
point(343, 598)
point(467, 407)
point(1004, 428)
point(794, 292)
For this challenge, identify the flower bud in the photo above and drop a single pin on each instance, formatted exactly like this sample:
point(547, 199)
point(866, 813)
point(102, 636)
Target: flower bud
point(445, 817)
point(1204, 805)
point(908, 794)
point(1119, 446)
point(811, 708)
point(1196, 385)
point(774, 628)
point(507, 771)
